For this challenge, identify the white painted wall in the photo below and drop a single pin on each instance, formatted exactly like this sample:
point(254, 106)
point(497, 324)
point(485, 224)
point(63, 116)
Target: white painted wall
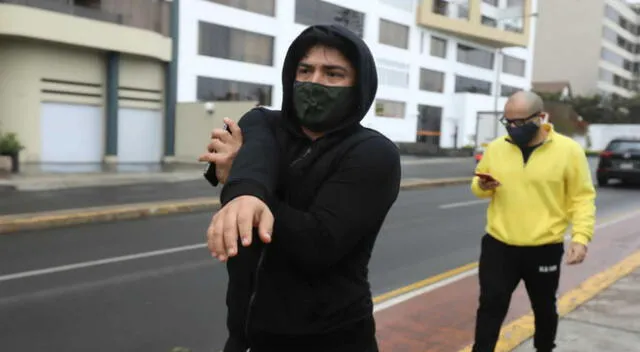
point(601, 134)
point(285, 30)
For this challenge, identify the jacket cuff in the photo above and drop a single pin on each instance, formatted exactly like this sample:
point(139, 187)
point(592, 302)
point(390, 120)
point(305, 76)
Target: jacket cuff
point(244, 188)
point(582, 239)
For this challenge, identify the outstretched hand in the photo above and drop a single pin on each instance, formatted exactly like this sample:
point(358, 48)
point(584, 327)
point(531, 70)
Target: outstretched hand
point(237, 220)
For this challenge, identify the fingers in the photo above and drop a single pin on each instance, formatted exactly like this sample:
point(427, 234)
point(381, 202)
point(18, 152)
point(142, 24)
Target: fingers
point(216, 145)
point(574, 256)
point(265, 225)
point(245, 225)
point(233, 128)
point(230, 232)
point(210, 157)
point(216, 239)
point(221, 134)
point(210, 237)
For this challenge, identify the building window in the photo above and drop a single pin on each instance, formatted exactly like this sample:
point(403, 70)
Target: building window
point(624, 44)
point(475, 57)
point(488, 21)
point(263, 7)
point(616, 59)
point(507, 91)
point(429, 124)
point(235, 44)
point(311, 12)
point(393, 73)
point(513, 65)
point(431, 81)
point(491, 2)
point(216, 89)
point(390, 108)
point(609, 34)
point(393, 34)
point(472, 85)
point(438, 47)
point(606, 76)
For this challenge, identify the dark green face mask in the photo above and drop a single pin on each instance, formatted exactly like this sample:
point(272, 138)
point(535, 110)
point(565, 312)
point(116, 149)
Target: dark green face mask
point(321, 108)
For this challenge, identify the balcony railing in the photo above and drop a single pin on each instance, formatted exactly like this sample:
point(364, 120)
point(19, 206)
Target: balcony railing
point(147, 15)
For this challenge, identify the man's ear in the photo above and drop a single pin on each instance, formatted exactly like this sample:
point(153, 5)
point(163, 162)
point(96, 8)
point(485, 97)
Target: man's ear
point(544, 117)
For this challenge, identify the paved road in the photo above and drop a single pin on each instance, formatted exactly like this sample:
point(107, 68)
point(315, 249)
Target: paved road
point(160, 300)
point(32, 201)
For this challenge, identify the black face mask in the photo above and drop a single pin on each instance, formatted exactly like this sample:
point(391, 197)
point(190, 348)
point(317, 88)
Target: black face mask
point(523, 135)
point(321, 108)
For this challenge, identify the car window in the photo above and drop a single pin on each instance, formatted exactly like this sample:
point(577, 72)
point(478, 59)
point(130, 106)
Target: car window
point(624, 146)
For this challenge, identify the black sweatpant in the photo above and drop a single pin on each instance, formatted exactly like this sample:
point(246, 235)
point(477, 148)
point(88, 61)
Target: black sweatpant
point(500, 270)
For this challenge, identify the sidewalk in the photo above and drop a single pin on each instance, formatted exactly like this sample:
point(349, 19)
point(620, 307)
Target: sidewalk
point(608, 322)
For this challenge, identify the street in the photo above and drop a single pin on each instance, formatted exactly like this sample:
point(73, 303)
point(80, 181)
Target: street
point(150, 285)
point(35, 201)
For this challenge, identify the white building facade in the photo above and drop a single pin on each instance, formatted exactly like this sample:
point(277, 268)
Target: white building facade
point(432, 80)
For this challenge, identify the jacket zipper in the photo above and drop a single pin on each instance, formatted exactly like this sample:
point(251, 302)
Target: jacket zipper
point(252, 298)
point(256, 276)
point(306, 152)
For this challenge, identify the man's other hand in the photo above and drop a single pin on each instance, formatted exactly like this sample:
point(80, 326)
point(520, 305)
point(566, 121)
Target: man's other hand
point(237, 219)
point(223, 148)
point(577, 253)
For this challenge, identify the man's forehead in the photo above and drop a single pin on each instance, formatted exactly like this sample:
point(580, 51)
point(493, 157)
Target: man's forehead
point(523, 105)
point(324, 55)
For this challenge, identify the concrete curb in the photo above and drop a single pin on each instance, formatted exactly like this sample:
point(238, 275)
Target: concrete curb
point(51, 219)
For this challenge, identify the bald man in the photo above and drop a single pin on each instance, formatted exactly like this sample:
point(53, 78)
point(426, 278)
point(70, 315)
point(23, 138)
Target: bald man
point(538, 182)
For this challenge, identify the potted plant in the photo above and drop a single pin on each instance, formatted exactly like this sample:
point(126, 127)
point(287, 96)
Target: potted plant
point(10, 146)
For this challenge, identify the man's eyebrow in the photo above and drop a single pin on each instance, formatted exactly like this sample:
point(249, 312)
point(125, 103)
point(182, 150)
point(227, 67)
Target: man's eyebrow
point(326, 67)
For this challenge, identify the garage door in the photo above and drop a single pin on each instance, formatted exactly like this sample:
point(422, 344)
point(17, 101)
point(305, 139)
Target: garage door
point(71, 133)
point(140, 136)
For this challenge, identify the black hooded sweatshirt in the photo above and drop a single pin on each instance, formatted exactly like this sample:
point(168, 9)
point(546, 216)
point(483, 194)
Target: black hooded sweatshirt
point(308, 290)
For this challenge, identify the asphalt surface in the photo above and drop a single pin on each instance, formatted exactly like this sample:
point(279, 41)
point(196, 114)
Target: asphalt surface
point(155, 301)
point(35, 201)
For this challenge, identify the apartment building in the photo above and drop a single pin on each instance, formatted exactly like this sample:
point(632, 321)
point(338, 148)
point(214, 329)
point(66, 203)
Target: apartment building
point(597, 54)
point(84, 81)
point(439, 62)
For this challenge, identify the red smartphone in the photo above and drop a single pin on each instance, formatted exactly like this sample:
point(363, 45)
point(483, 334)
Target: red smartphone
point(486, 177)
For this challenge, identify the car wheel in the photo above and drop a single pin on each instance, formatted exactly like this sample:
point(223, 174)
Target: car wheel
point(603, 182)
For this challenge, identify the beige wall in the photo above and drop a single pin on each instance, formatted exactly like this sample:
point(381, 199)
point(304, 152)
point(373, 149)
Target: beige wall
point(16, 20)
point(473, 28)
point(34, 71)
point(141, 83)
point(194, 126)
point(568, 49)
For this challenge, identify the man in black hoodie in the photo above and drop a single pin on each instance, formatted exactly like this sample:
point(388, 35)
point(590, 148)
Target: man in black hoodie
point(318, 186)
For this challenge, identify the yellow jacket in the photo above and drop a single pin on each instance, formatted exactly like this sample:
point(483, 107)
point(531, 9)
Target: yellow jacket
point(535, 202)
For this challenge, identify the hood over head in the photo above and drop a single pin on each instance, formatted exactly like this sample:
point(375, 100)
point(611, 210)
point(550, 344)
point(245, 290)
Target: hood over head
point(353, 48)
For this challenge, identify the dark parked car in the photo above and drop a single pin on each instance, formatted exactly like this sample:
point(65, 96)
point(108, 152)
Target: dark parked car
point(620, 160)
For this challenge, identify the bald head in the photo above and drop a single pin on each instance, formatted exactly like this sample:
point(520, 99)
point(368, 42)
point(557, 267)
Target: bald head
point(523, 104)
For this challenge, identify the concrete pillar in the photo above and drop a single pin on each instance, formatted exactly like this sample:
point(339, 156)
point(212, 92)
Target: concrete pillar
point(113, 72)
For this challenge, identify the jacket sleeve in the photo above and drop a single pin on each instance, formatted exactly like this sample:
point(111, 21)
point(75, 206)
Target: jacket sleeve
point(255, 169)
point(582, 195)
point(482, 168)
point(352, 202)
